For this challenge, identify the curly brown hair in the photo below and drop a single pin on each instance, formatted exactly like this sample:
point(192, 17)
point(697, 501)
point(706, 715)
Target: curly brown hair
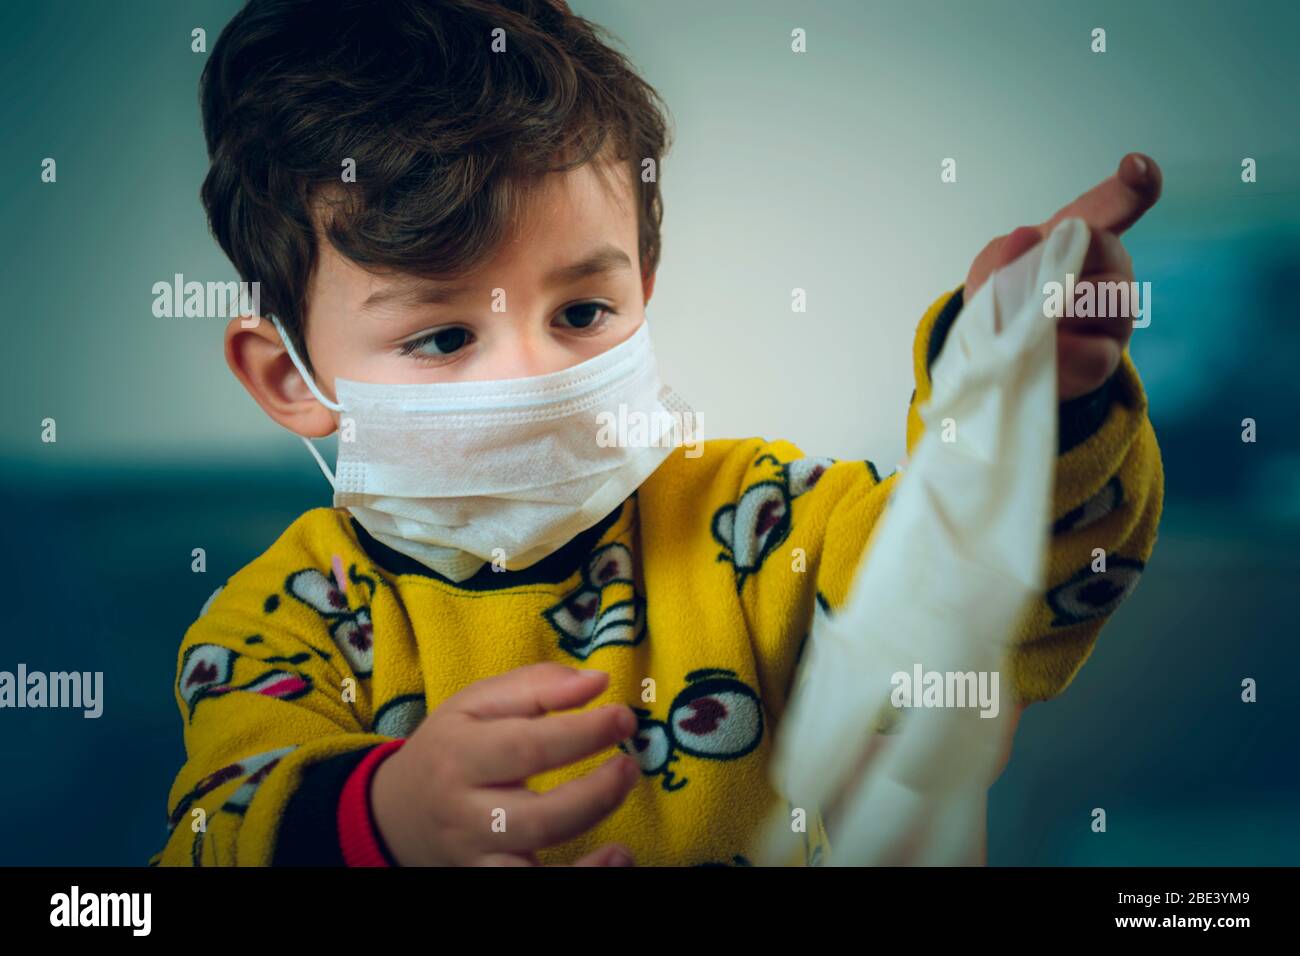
point(446, 134)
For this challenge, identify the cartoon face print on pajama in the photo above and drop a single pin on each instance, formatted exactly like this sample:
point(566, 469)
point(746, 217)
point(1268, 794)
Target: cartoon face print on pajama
point(350, 629)
point(208, 670)
point(757, 524)
point(605, 609)
point(715, 717)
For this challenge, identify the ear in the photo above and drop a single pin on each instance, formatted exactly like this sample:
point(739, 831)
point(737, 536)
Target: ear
point(258, 358)
point(647, 286)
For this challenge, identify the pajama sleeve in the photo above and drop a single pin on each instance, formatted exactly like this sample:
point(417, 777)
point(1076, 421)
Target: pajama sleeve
point(1106, 508)
point(796, 528)
point(275, 721)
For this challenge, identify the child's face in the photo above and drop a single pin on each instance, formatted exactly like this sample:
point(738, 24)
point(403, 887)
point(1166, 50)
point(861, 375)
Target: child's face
point(564, 286)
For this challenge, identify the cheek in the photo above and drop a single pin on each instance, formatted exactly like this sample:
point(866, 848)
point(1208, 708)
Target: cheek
point(510, 357)
point(333, 349)
point(566, 351)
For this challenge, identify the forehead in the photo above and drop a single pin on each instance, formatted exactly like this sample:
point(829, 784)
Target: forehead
point(568, 213)
point(556, 220)
point(601, 189)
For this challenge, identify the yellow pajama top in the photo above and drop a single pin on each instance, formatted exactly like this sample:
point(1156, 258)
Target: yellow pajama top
point(696, 595)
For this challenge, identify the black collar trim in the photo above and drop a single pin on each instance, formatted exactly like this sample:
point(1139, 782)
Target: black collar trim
point(552, 569)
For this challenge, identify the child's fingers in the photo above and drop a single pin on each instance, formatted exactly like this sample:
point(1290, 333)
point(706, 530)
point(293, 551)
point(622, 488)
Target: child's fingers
point(1106, 254)
point(611, 854)
point(1116, 203)
point(533, 821)
point(509, 859)
point(1111, 206)
point(513, 749)
point(1109, 294)
point(529, 691)
point(1002, 251)
point(1085, 358)
point(1107, 272)
point(1016, 245)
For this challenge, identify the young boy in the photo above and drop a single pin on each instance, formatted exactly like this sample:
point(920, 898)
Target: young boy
point(380, 686)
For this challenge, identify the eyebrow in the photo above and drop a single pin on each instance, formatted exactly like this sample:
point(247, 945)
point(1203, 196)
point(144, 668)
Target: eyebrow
point(421, 291)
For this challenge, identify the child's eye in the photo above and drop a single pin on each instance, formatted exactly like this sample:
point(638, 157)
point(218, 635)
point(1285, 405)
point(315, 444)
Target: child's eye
point(586, 316)
point(439, 342)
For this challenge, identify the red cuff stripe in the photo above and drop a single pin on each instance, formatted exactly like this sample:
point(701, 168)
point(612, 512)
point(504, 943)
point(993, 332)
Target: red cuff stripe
point(359, 838)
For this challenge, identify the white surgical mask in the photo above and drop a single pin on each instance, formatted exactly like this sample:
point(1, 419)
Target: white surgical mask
point(459, 474)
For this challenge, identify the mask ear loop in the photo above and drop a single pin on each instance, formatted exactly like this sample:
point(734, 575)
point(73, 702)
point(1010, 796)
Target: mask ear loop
point(316, 392)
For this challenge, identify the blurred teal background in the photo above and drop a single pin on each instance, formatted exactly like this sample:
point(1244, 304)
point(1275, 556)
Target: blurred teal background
point(818, 171)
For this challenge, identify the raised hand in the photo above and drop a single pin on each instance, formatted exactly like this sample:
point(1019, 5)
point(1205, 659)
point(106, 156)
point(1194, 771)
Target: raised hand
point(1088, 350)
